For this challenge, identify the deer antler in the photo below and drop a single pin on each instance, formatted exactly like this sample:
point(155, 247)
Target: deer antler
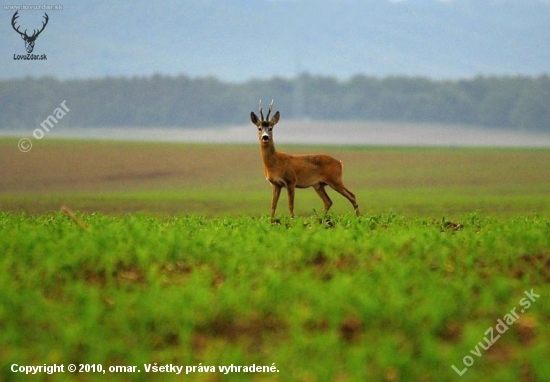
point(13, 19)
point(35, 34)
point(261, 110)
point(269, 111)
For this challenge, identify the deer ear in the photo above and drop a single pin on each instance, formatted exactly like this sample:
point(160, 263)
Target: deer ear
point(275, 119)
point(254, 118)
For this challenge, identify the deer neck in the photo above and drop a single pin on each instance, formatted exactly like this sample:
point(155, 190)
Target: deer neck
point(269, 154)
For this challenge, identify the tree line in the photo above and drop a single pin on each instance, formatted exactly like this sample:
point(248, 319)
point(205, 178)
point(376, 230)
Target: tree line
point(510, 102)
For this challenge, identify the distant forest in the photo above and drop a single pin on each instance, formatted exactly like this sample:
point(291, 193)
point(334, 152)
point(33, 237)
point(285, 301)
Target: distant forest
point(516, 103)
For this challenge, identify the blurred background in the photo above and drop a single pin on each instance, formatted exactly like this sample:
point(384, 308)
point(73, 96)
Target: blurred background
point(401, 72)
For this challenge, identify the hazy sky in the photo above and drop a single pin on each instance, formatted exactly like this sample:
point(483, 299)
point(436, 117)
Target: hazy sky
point(236, 40)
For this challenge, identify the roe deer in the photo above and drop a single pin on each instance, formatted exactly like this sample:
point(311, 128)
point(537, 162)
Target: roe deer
point(297, 171)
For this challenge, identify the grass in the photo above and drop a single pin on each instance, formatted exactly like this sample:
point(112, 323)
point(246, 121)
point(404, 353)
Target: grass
point(180, 264)
point(381, 297)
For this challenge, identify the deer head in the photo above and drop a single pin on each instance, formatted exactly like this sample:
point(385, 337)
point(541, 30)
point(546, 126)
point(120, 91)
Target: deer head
point(265, 126)
point(29, 40)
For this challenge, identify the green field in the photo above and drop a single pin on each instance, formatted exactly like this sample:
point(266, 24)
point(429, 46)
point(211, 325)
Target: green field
point(179, 265)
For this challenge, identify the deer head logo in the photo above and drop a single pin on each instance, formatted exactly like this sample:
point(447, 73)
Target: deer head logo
point(29, 40)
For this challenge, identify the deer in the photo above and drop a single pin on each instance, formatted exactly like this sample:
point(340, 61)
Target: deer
point(29, 40)
point(289, 171)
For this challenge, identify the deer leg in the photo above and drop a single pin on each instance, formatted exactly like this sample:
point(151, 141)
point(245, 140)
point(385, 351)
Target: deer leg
point(274, 200)
point(291, 189)
point(341, 189)
point(320, 190)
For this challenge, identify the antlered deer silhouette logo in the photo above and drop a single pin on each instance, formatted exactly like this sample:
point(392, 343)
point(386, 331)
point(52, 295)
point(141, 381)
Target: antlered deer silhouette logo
point(29, 40)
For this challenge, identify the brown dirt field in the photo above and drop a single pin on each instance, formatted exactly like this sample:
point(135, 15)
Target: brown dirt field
point(78, 166)
point(126, 177)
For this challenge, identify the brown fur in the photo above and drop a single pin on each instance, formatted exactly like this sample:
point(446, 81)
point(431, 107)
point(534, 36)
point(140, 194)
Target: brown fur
point(298, 171)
